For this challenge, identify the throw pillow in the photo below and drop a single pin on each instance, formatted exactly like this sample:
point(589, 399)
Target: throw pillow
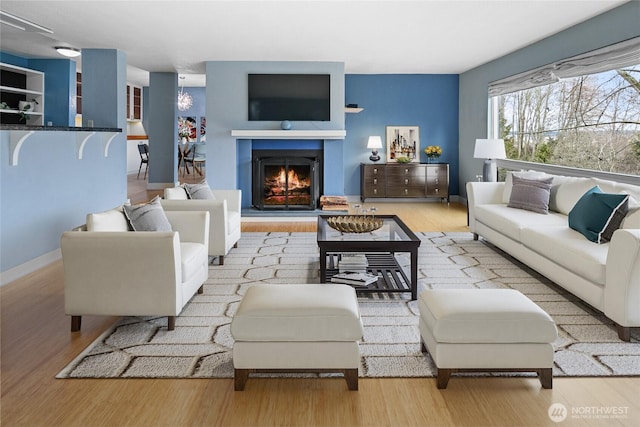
point(199, 191)
point(531, 194)
point(632, 219)
point(148, 216)
point(175, 193)
point(508, 181)
point(597, 215)
point(111, 220)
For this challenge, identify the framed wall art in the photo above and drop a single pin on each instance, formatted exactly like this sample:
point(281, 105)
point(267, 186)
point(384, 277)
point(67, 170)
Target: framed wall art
point(403, 144)
point(187, 130)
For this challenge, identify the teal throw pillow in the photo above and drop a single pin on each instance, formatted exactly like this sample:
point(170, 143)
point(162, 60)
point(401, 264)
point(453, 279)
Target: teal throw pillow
point(597, 215)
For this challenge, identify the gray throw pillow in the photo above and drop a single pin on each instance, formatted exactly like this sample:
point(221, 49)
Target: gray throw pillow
point(531, 194)
point(147, 217)
point(199, 191)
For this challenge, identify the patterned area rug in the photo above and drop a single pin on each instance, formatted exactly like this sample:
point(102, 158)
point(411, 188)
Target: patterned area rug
point(200, 346)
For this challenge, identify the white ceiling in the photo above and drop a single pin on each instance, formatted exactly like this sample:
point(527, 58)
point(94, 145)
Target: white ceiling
point(370, 37)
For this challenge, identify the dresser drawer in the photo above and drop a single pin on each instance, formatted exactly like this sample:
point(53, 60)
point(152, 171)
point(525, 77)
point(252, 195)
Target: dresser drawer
point(438, 180)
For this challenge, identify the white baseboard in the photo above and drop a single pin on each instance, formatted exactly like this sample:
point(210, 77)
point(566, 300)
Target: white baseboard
point(29, 267)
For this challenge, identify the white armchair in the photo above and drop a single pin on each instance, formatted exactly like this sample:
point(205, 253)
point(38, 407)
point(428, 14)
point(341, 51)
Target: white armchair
point(224, 231)
point(135, 273)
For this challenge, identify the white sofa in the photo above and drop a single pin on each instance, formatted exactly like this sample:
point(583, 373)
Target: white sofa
point(606, 276)
point(225, 228)
point(134, 273)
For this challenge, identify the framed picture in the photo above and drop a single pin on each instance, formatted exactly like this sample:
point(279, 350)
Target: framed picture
point(403, 142)
point(187, 130)
point(203, 129)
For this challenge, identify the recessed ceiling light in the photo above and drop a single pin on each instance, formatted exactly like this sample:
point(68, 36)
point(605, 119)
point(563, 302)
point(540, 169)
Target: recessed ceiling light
point(69, 52)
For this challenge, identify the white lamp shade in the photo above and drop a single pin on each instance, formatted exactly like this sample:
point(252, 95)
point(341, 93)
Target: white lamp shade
point(489, 149)
point(374, 142)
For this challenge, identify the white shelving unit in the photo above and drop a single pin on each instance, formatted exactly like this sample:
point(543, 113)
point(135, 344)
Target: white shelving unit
point(34, 89)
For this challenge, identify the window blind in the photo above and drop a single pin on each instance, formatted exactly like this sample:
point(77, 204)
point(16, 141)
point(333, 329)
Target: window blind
point(611, 57)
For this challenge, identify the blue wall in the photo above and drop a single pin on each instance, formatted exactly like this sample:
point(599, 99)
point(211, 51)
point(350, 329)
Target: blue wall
point(228, 159)
point(59, 86)
point(426, 100)
point(617, 25)
point(50, 190)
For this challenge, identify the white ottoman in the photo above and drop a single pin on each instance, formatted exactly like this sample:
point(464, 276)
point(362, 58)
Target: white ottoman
point(297, 328)
point(486, 330)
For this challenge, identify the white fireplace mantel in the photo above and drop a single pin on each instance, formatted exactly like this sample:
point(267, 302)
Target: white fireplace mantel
point(289, 134)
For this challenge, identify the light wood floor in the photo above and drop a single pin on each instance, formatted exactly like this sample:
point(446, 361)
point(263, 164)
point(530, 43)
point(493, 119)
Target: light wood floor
point(36, 344)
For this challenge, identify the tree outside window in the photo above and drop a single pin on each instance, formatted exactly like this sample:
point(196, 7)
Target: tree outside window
point(588, 122)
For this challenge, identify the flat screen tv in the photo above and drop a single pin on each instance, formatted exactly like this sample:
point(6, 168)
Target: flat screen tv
point(294, 97)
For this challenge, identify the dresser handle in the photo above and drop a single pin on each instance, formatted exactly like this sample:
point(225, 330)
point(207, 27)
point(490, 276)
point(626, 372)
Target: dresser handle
point(375, 191)
point(406, 171)
point(437, 181)
point(375, 180)
point(406, 191)
point(375, 170)
point(437, 190)
point(406, 181)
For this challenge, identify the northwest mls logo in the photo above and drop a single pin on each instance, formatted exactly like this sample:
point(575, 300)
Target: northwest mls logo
point(557, 412)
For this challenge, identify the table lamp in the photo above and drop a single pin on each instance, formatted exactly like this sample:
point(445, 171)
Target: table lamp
point(374, 143)
point(490, 149)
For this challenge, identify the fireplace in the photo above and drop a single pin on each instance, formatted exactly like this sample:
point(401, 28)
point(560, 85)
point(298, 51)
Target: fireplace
point(286, 179)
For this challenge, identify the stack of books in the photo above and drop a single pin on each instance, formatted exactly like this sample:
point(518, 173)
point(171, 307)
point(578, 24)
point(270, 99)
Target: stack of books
point(352, 263)
point(355, 279)
point(334, 203)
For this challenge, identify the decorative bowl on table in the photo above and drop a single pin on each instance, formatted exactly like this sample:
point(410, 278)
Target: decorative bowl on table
point(403, 159)
point(355, 223)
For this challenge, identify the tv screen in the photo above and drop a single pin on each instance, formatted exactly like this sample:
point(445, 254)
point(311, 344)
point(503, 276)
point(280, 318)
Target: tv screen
point(294, 97)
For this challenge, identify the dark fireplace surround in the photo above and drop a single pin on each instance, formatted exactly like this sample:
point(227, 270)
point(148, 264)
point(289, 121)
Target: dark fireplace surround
point(286, 179)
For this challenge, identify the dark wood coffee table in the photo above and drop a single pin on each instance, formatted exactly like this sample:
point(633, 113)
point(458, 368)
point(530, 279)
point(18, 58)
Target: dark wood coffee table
point(379, 246)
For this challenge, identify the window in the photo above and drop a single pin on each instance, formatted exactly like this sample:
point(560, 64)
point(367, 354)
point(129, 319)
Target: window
point(582, 112)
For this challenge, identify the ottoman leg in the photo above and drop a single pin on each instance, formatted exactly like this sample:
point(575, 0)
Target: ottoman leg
point(240, 377)
point(546, 377)
point(443, 377)
point(351, 375)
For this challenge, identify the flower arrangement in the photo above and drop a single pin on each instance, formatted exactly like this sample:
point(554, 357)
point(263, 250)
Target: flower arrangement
point(433, 151)
point(184, 128)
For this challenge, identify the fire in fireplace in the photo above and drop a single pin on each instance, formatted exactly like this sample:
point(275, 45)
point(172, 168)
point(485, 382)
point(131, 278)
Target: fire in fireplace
point(286, 179)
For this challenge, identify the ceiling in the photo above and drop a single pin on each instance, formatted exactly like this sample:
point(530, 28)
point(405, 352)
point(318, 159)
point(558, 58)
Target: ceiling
point(370, 37)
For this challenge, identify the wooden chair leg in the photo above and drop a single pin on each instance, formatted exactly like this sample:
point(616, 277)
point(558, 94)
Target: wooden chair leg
point(171, 323)
point(351, 375)
point(546, 377)
point(624, 332)
point(221, 262)
point(201, 289)
point(235, 245)
point(475, 236)
point(240, 377)
point(423, 348)
point(76, 323)
point(443, 377)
